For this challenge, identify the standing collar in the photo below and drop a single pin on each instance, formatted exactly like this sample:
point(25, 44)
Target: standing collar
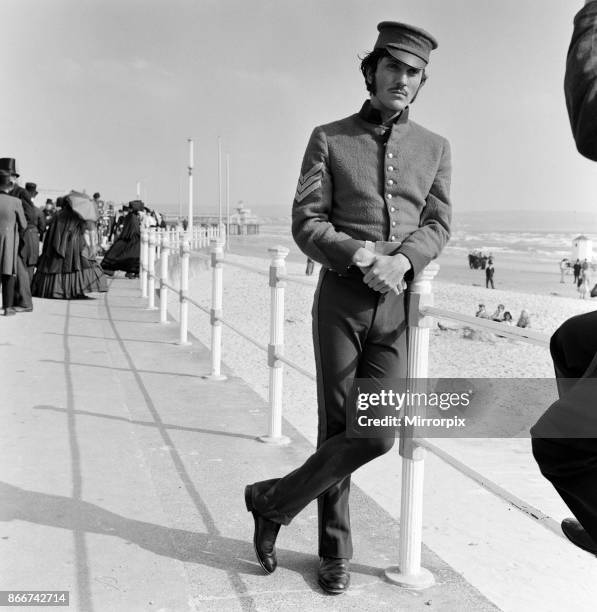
point(371, 115)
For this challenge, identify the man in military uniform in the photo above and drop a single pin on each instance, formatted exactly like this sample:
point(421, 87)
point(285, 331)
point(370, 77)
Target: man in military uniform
point(565, 437)
point(372, 207)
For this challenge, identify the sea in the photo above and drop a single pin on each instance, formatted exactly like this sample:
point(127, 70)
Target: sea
point(541, 235)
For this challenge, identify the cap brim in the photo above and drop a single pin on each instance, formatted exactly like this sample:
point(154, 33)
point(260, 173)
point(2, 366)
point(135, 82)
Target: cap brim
point(404, 56)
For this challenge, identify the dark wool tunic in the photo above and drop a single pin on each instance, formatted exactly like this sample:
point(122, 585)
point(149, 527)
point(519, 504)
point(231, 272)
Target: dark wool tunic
point(362, 182)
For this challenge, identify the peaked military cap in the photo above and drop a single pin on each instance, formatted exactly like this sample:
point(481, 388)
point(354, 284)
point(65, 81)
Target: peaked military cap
point(406, 43)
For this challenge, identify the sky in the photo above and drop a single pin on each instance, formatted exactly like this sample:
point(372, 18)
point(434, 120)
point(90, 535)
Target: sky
point(102, 94)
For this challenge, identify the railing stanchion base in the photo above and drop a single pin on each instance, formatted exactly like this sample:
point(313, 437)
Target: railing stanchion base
point(215, 377)
point(423, 579)
point(274, 440)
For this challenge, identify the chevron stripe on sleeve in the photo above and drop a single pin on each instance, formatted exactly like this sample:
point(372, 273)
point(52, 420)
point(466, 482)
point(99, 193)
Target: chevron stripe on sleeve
point(309, 182)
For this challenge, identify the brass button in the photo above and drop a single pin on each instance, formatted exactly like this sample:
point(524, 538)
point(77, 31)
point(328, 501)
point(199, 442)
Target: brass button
point(390, 168)
point(389, 196)
point(392, 209)
point(393, 223)
point(390, 155)
point(390, 182)
point(392, 238)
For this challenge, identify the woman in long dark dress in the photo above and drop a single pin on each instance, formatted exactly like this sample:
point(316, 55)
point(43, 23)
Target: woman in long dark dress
point(66, 268)
point(124, 253)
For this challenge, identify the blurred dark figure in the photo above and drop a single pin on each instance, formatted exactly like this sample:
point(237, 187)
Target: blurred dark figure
point(576, 268)
point(48, 212)
point(565, 437)
point(124, 253)
point(34, 232)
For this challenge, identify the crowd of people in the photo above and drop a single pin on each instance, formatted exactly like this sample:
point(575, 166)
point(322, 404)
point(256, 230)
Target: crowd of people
point(477, 260)
point(581, 271)
point(53, 252)
point(501, 315)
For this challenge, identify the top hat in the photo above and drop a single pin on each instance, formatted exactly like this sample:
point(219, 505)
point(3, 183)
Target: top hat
point(10, 165)
point(406, 43)
point(31, 188)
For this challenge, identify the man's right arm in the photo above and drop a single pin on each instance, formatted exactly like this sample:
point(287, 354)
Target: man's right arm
point(580, 83)
point(312, 229)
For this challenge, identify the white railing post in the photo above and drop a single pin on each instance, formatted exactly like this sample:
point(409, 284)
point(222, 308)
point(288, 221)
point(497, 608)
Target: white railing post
point(151, 271)
point(276, 346)
point(217, 290)
point(409, 573)
point(183, 318)
point(164, 279)
point(143, 261)
point(222, 233)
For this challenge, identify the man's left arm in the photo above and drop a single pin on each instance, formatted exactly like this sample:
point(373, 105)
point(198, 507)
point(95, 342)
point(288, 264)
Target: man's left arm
point(427, 242)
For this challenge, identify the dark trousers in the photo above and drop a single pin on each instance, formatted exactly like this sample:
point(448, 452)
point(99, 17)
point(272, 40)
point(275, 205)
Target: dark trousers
point(357, 333)
point(23, 286)
point(8, 291)
point(570, 463)
point(489, 281)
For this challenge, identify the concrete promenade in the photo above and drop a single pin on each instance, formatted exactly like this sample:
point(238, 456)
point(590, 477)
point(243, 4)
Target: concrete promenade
point(122, 471)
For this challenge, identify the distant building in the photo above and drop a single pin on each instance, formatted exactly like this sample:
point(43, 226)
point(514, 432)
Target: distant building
point(582, 248)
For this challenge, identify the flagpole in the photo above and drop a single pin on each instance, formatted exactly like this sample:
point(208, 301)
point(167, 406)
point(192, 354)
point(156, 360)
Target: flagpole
point(190, 221)
point(227, 201)
point(219, 182)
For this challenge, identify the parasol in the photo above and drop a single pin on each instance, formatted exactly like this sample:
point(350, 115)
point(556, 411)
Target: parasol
point(82, 204)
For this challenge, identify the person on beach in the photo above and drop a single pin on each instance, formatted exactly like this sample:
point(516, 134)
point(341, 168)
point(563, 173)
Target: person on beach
point(372, 206)
point(524, 320)
point(563, 268)
point(498, 315)
point(564, 439)
point(12, 218)
point(482, 312)
point(508, 318)
point(584, 285)
point(489, 271)
point(576, 269)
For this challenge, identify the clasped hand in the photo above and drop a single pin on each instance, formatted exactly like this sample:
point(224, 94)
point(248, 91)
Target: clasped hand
point(384, 273)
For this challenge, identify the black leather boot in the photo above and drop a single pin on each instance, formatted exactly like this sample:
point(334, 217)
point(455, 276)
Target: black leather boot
point(264, 538)
point(333, 576)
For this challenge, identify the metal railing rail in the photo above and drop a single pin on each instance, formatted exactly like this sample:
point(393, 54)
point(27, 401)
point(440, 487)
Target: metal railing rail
point(491, 486)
